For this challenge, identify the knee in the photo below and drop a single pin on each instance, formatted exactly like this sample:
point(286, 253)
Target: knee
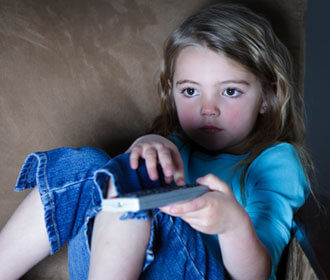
point(76, 160)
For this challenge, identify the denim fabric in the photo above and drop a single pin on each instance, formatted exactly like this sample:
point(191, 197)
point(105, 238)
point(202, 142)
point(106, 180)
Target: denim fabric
point(72, 184)
point(125, 180)
point(179, 252)
point(65, 178)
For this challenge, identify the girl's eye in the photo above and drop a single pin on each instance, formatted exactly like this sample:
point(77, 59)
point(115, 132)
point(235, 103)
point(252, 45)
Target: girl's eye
point(232, 92)
point(189, 92)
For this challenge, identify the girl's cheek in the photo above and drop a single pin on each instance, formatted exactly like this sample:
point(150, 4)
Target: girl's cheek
point(185, 113)
point(235, 113)
point(187, 119)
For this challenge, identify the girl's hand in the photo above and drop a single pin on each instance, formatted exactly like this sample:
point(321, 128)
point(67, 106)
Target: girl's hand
point(215, 212)
point(155, 148)
point(218, 212)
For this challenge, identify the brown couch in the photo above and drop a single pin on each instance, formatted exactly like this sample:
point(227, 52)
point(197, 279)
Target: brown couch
point(84, 73)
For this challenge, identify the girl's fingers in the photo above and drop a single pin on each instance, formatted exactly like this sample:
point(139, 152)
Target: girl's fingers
point(150, 156)
point(214, 183)
point(168, 157)
point(195, 219)
point(172, 165)
point(168, 180)
point(166, 162)
point(189, 208)
point(179, 170)
point(135, 155)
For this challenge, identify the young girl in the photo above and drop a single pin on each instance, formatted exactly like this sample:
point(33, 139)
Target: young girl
point(230, 119)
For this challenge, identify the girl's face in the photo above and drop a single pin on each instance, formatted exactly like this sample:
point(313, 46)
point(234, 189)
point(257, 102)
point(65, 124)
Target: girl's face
point(217, 99)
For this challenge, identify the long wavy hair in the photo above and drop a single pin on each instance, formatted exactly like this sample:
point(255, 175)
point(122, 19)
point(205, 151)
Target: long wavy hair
point(248, 38)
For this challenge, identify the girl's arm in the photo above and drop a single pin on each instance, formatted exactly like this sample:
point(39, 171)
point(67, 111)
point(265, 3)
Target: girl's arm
point(218, 212)
point(155, 148)
point(251, 259)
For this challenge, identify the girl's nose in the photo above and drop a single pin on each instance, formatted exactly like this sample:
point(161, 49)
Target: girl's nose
point(210, 109)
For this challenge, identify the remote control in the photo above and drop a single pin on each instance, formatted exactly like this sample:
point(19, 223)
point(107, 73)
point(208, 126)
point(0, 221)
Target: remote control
point(153, 198)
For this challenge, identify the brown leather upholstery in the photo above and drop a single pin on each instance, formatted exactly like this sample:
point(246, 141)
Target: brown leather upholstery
point(84, 73)
point(297, 264)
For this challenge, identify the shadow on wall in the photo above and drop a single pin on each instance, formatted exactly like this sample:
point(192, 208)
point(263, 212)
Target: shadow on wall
point(317, 99)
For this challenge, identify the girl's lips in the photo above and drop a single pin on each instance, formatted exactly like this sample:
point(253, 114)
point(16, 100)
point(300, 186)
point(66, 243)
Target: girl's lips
point(210, 129)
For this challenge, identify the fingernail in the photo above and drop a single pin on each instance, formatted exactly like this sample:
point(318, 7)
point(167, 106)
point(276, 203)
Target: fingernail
point(180, 182)
point(168, 180)
point(199, 180)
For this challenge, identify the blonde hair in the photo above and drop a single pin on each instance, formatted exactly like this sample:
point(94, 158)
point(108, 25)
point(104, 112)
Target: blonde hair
point(248, 38)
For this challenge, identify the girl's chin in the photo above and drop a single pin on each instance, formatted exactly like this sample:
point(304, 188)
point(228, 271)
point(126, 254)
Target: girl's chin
point(210, 144)
point(209, 147)
point(216, 147)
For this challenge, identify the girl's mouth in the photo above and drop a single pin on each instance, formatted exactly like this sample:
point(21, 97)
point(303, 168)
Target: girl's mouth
point(210, 129)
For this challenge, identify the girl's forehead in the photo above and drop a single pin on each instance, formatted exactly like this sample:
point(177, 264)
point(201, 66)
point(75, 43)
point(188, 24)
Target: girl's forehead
point(200, 61)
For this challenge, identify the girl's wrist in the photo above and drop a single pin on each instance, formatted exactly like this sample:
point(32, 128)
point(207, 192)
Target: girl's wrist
point(239, 224)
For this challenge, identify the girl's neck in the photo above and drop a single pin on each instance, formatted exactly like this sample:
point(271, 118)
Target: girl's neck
point(241, 150)
point(201, 149)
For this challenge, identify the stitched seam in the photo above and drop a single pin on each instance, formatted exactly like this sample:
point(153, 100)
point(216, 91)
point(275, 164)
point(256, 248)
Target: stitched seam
point(72, 183)
point(85, 225)
point(51, 205)
point(28, 168)
point(188, 253)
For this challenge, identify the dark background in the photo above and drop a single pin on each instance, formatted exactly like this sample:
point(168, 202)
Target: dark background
point(317, 89)
point(317, 101)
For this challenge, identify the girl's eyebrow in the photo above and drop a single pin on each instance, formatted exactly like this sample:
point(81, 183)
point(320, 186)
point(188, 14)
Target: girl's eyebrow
point(180, 82)
point(235, 82)
point(186, 82)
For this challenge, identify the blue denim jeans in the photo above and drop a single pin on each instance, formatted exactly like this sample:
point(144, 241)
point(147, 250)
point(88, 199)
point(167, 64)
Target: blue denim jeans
point(72, 185)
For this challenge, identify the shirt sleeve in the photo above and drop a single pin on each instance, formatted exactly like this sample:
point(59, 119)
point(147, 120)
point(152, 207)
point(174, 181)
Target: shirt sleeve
point(275, 188)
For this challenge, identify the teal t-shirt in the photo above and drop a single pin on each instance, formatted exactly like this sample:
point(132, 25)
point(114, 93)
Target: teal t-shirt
point(275, 188)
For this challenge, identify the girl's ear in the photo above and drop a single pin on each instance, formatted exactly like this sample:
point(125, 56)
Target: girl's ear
point(169, 83)
point(264, 103)
point(265, 98)
point(263, 106)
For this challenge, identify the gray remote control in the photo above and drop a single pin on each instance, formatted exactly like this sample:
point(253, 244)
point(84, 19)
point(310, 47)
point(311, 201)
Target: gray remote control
point(153, 198)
